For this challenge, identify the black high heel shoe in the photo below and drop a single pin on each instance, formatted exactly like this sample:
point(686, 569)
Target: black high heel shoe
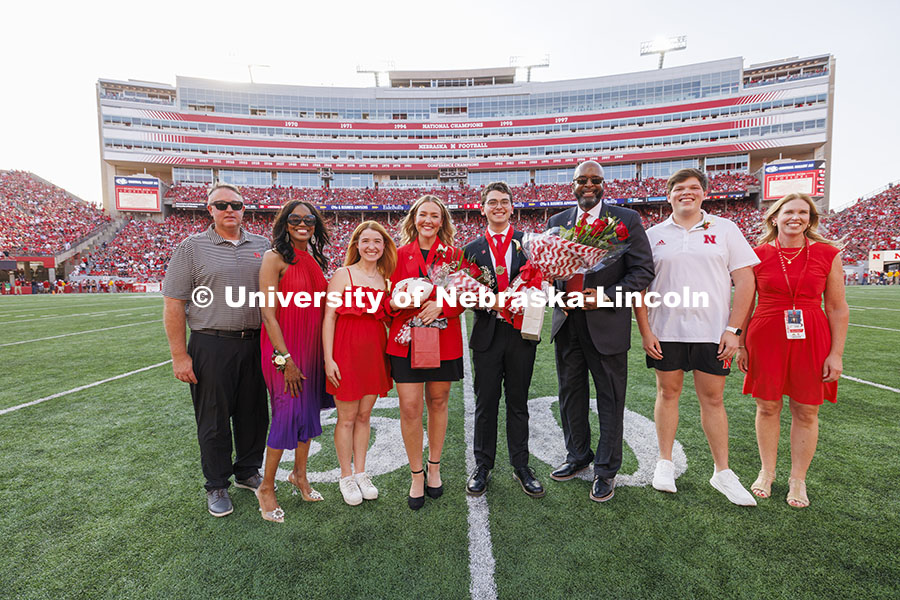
point(417, 503)
point(433, 492)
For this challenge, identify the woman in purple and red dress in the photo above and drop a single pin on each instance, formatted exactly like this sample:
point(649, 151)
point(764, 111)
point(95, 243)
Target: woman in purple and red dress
point(292, 356)
point(793, 347)
point(354, 339)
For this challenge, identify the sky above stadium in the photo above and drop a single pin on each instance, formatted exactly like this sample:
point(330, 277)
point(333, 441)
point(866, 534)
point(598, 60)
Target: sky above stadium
point(53, 54)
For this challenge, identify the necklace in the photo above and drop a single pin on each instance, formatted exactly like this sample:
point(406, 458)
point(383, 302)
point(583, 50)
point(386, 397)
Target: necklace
point(792, 258)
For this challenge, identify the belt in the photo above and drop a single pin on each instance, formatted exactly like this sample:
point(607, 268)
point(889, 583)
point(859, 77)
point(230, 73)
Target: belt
point(246, 334)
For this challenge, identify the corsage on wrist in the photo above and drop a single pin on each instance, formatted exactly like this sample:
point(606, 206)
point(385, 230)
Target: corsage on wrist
point(280, 360)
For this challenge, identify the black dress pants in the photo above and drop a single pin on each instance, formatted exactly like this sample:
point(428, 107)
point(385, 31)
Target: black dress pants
point(230, 393)
point(576, 356)
point(507, 362)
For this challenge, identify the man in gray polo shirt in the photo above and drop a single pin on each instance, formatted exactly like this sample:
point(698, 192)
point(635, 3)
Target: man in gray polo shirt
point(222, 360)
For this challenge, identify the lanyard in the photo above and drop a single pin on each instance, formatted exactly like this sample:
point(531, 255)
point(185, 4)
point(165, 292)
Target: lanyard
point(784, 270)
point(423, 265)
point(499, 252)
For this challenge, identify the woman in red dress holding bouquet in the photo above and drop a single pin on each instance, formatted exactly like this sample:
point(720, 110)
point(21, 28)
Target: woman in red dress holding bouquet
point(354, 338)
point(793, 347)
point(427, 236)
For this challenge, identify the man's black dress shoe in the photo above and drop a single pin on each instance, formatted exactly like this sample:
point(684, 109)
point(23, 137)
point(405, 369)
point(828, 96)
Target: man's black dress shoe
point(530, 485)
point(568, 470)
point(477, 484)
point(603, 488)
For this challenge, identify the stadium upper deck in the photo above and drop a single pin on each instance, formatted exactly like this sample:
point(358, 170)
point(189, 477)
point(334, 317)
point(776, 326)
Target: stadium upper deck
point(475, 126)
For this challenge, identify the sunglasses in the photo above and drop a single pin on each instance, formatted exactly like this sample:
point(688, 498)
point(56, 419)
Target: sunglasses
point(235, 206)
point(584, 180)
point(308, 220)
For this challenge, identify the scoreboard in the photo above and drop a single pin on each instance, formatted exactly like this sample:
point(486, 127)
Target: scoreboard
point(137, 194)
point(806, 177)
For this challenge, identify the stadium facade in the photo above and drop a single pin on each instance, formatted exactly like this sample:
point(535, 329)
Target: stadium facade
point(474, 126)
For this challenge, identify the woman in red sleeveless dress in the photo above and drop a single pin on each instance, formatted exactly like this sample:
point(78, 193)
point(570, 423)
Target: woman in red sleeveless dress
point(792, 347)
point(354, 338)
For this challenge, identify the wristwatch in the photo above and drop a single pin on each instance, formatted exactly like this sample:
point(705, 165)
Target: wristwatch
point(734, 330)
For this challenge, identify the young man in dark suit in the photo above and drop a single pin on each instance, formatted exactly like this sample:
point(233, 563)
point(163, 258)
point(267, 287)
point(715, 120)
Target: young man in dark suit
point(500, 356)
point(595, 339)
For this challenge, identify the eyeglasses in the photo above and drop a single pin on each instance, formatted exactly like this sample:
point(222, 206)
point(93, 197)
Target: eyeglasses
point(584, 180)
point(308, 220)
point(235, 206)
point(494, 203)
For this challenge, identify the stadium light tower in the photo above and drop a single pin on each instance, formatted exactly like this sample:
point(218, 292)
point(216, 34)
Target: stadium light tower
point(250, 70)
point(376, 70)
point(529, 62)
point(662, 45)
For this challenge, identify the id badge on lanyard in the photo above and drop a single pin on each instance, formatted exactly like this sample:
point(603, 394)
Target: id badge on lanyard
point(793, 324)
point(794, 327)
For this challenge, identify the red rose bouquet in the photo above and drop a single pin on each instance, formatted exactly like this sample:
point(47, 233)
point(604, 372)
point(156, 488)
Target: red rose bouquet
point(561, 252)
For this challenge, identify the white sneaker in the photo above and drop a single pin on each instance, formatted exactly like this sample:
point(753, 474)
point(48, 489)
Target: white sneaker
point(664, 476)
point(369, 491)
point(350, 491)
point(729, 484)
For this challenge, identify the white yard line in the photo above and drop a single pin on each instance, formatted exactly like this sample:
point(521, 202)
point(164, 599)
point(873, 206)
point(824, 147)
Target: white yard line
point(873, 308)
point(53, 337)
point(878, 385)
point(82, 387)
point(872, 295)
point(481, 550)
point(873, 327)
point(52, 307)
point(88, 314)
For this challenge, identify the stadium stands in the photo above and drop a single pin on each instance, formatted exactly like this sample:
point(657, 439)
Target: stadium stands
point(142, 248)
point(38, 219)
point(871, 223)
point(615, 188)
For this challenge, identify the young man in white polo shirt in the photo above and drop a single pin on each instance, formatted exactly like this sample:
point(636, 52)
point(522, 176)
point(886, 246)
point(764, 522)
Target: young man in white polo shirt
point(703, 253)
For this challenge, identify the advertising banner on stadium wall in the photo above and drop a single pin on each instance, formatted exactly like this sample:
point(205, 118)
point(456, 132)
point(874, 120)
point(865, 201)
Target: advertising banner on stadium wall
point(391, 166)
point(458, 125)
point(355, 146)
point(723, 196)
point(47, 261)
point(137, 194)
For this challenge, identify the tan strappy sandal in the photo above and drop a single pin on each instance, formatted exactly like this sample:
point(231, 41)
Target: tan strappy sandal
point(797, 493)
point(762, 487)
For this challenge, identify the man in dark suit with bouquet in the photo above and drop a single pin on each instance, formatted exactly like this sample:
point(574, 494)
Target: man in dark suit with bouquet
point(595, 339)
point(500, 356)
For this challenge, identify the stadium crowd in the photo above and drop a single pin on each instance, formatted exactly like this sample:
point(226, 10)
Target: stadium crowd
point(614, 188)
point(142, 248)
point(868, 224)
point(39, 219)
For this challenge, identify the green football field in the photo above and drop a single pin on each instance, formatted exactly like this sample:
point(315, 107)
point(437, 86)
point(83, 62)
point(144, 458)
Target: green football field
point(101, 493)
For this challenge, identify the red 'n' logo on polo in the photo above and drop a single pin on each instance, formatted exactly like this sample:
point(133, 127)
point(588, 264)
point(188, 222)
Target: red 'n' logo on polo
point(709, 239)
